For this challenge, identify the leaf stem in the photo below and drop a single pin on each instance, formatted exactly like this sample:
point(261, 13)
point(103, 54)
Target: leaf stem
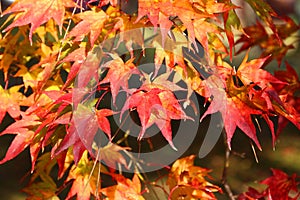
point(171, 192)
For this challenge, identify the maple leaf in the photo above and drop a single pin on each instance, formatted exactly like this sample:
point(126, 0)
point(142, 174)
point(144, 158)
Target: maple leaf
point(232, 102)
point(64, 160)
point(269, 102)
point(78, 56)
point(24, 135)
point(267, 99)
point(9, 102)
point(162, 81)
point(15, 62)
point(85, 180)
point(36, 14)
point(264, 100)
point(258, 35)
point(287, 92)
point(105, 2)
point(190, 13)
point(92, 23)
point(83, 128)
point(127, 28)
point(251, 194)
point(103, 122)
point(202, 30)
point(265, 12)
point(159, 12)
point(89, 68)
point(155, 104)
point(72, 139)
point(166, 49)
point(81, 133)
point(45, 188)
point(231, 20)
point(40, 73)
point(187, 180)
point(111, 155)
point(143, 101)
point(253, 36)
point(251, 72)
point(204, 27)
point(118, 75)
point(192, 78)
point(125, 188)
point(289, 76)
point(279, 186)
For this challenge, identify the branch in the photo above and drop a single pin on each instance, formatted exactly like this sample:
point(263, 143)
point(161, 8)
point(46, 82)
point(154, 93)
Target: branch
point(225, 170)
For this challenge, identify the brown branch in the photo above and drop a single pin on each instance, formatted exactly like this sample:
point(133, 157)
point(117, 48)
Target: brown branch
point(225, 171)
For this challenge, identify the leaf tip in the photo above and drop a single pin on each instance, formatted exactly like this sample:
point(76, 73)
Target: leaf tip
point(173, 147)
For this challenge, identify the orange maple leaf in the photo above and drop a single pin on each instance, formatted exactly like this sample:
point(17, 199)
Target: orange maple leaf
point(85, 181)
point(37, 13)
point(125, 188)
point(161, 12)
point(92, 23)
point(9, 103)
point(187, 180)
point(118, 75)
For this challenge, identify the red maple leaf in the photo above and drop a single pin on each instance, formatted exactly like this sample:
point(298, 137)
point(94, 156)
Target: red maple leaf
point(287, 92)
point(71, 139)
point(289, 76)
point(271, 44)
point(280, 184)
point(103, 122)
point(24, 136)
point(155, 105)
point(83, 128)
point(251, 72)
point(263, 100)
point(78, 56)
point(252, 194)
point(105, 2)
point(232, 102)
point(36, 14)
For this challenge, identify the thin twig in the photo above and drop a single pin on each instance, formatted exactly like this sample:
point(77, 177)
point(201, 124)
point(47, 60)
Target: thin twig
point(67, 30)
point(225, 171)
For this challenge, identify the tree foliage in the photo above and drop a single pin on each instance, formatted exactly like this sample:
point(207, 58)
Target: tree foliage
point(48, 44)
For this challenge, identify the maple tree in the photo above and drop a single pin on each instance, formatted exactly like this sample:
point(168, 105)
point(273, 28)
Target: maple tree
point(76, 71)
